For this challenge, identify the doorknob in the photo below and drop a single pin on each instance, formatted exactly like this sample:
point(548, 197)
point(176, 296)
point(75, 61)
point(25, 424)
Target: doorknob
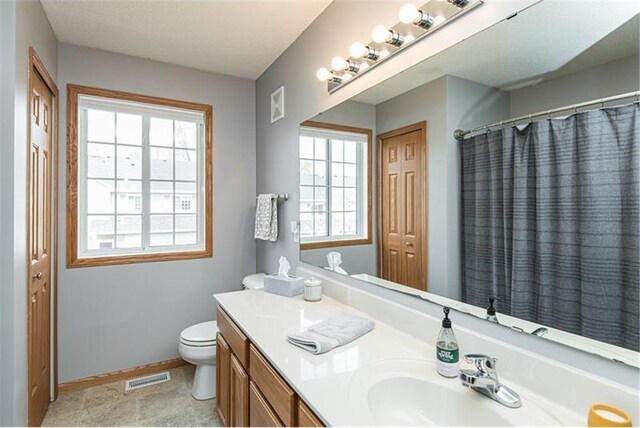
point(408, 244)
point(39, 275)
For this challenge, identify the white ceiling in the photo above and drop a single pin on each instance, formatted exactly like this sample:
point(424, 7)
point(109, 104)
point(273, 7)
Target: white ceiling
point(238, 38)
point(548, 40)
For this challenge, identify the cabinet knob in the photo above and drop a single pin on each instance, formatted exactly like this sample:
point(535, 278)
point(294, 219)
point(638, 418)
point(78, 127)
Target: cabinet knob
point(39, 275)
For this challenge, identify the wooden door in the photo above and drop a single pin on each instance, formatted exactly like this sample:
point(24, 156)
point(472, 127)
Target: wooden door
point(39, 247)
point(238, 395)
point(223, 373)
point(260, 412)
point(402, 252)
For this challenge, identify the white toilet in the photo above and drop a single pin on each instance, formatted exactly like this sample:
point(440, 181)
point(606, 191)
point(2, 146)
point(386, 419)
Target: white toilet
point(198, 346)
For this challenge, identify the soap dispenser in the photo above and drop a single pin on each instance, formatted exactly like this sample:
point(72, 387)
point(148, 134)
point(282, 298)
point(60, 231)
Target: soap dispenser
point(447, 352)
point(491, 311)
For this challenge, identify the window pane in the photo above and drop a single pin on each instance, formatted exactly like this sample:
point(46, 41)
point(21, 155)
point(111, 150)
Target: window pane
point(186, 230)
point(186, 134)
point(350, 151)
point(161, 230)
point(186, 166)
point(101, 126)
point(306, 147)
point(306, 225)
point(129, 231)
point(349, 199)
point(350, 175)
point(186, 198)
point(306, 199)
point(161, 163)
point(320, 173)
point(161, 132)
point(320, 224)
point(336, 150)
point(129, 197)
point(337, 174)
point(100, 231)
point(306, 172)
point(161, 197)
point(337, 224)
point(129, 128)
point(320, 199)
point(101, 196)
point(129, 162)
point(321, 149)
point(337, 199)
point(100, 159)
point(350, 227)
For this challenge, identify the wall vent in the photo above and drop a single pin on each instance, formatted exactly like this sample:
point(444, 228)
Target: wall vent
point(141, 382)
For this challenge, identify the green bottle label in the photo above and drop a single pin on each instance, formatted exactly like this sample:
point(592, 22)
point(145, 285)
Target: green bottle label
point(449, 356)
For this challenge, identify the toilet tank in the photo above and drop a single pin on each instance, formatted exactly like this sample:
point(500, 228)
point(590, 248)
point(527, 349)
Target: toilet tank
point(254, 282)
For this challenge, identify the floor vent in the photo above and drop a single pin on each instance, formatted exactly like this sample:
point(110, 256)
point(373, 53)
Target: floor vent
point(141, 382)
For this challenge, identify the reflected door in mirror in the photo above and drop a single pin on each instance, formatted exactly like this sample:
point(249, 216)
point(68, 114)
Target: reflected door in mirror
point(402, 253)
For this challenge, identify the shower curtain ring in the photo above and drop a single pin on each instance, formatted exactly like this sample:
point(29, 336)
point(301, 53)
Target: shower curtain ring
point(530, 119)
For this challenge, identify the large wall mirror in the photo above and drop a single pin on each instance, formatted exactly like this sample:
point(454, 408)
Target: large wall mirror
point(535, 210)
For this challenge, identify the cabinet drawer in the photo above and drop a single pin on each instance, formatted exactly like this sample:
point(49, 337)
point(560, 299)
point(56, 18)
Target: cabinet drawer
point(260, 412)
point(237, 341)
point(306, 417)
point(280, 396)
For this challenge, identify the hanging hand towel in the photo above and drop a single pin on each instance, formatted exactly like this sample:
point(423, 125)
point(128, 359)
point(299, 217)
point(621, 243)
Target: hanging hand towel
point(267, 217)
point(331, 333)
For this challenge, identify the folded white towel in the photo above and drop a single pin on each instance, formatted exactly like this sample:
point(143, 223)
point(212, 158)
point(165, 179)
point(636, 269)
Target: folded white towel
point(267, 217)
point(334, 260)
point(331, 333)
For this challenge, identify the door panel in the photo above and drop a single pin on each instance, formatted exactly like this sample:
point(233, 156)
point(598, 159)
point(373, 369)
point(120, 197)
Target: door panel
point(403, 206)
point(39, 239)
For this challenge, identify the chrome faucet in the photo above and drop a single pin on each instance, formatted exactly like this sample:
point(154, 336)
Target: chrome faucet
point(485, 380)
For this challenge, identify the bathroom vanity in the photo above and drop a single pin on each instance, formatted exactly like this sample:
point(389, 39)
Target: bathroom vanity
point(386, 377)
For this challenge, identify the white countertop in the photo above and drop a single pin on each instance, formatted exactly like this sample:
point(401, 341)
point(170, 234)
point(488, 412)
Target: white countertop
point(324, 381)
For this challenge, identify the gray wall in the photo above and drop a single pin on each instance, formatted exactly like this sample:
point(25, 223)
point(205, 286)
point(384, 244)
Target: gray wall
point(23, 24)
point(622, 76)
point(358, 258)
point(118, 317)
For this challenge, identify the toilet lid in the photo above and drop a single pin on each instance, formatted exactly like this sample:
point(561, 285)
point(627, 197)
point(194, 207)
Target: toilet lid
point(202, 333)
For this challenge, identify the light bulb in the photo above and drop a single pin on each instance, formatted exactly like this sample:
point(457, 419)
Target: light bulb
point(338, 63)
point(380, 34)
point(323, 74)
point(408, 14)
point(438, 20)
point(358, 50)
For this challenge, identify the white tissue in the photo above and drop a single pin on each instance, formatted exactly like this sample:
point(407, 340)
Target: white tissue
point(334, 259)
point(283, 269)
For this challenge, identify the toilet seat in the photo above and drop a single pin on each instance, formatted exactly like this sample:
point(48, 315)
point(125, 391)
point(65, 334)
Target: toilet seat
point(200, 335)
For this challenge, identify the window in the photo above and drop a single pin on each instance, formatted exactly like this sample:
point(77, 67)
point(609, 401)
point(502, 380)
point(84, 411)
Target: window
point(140, 178)
point(335, 185)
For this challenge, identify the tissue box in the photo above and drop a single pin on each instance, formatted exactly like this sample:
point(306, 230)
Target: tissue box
point(289, 287)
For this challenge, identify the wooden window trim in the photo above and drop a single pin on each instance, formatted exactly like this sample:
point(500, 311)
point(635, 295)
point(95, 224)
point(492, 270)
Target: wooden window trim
point(348, 242)
point(73, 260)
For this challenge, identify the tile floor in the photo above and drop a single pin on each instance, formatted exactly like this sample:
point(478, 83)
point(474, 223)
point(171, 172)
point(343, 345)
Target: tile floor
point(166, 404)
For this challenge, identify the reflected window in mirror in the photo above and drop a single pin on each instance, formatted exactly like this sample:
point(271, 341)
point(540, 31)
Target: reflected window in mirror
point(335, 185)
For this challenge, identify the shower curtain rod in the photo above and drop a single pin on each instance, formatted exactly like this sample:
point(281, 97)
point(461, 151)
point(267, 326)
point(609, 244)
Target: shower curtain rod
point(460, 134)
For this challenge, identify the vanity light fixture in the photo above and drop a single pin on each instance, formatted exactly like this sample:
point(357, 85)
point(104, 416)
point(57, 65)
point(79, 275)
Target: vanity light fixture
point(410, 14)
point(382, 34)
point(388, 41)
point(358, 50)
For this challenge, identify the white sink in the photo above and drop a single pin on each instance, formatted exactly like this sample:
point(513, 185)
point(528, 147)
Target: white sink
point(410, 392)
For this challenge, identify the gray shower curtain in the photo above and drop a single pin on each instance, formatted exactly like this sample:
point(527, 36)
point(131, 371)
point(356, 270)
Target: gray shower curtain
point(550, 222)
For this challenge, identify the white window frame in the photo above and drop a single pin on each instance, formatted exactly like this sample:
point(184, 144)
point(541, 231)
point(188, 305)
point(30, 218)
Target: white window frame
point(147, 111)
point(362, 184)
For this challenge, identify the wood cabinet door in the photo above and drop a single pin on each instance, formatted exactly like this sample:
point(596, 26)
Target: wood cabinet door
point(238, 395)
point(223, 373)
point(260, 412)
point(306, 417)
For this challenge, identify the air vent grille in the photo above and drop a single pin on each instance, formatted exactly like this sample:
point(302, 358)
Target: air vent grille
point(141, 382)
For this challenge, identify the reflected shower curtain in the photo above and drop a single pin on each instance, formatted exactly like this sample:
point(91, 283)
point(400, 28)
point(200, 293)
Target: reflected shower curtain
point(550, 222)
